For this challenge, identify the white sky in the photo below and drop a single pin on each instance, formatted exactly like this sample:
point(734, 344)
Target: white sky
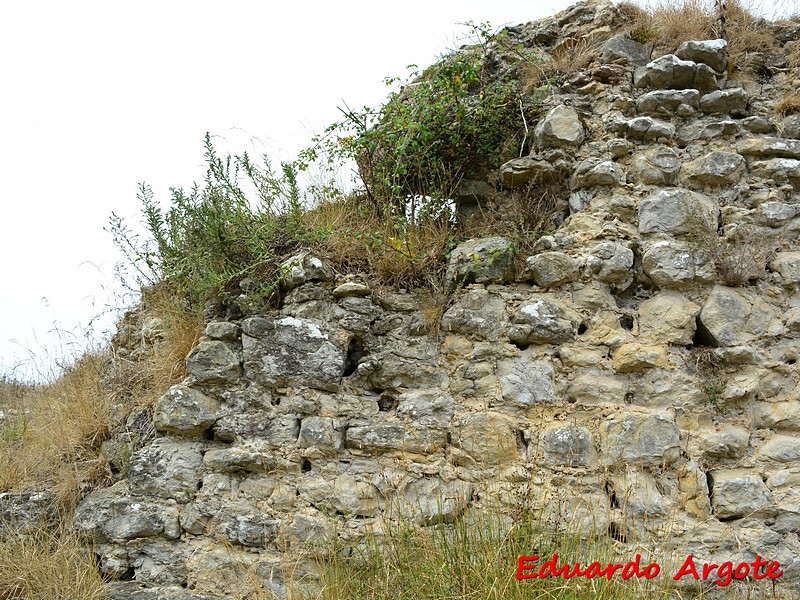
point(97, 96)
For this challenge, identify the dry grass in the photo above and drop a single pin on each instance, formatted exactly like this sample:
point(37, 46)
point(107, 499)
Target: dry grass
point(788, 105)
point(48, 566)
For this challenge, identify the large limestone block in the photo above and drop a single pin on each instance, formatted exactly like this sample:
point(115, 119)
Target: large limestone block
point(734, 318)
point(610, 262)
point(290, 351)
point(693, 490)
point(486, 260)
point(402, 363)
point(638, 495)
point(111, 515)
point(426, 407)
point(388, 436)
point(728, 441)
point(676, 211)
point(593, 386)
point(738, 493)
point(213, 362)
point(487, 439)
point(769, 147)
point(551, 269)
point(525, 382)
point(713, 53)
point(648, 129)
point(550, 166)
point(791, 127)
point(668, 318)
point(185, 411)
point(776, 415)
point(670, 72)
point(544, 320)
point(568, 445)
point(322, 433)
point(562, 127)
point(252, 456)
point(592, 173)
point(714, 169)
point(658, 166)
point(728, 102)
point(782, 170)
point(277, 430)
point(668, 103)
point(432, 500)
point(673, 264)
point(622, 49)
point(788, 265)
point(167, 469)
point(641, 439)
point(781, 448)
point(476, 313)
point(633, 357)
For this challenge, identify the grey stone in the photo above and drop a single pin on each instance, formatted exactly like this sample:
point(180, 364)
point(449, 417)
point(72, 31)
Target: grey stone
point(487, 438)
point(167, 469)
point(568, 445)
point(290, 351)
point(185, 411)
point(668, 103)
point(621, 49)
point(658, 166)
point(323, 433)
point(676, 211)
point(384, 437)
point(551, 166)
point(400, 302)
point(410, 363)
point(775, 214)
point(714, 169)
point(551, 269)
point(351, 289)
point(791, 127)
point(254, 456)
point(304, 268)
point(610, 262)
point(727, 102)
point(136, 590)
point(728, 442)
point(758, 124)
point(110, 515)
point(477, 313)
point(676, 265)
point(213, 362)
point(487, 260)
point(596, 173)
point(769, 147)
point(713, 53)
point(27, 511)
point(277, 430)
point(562, 127)
point(427, 407)
point(733, 318)
point(641, 439)
point(222, 330)
point(525, 382)
point(782, 170)
point(776, 415)
point(670, 72)
point(788, 265)
point(345, 493)
point(781, 448)
point(593, 387)
point(544, 320)
point(668, 318)
point(738, 493)
point(432, 501)
point(649, 129)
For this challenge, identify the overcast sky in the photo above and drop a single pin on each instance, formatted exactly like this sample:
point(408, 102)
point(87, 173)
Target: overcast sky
point(99, 96)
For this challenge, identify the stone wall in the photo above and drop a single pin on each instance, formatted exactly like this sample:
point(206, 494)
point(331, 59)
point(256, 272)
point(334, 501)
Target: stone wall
point(615, 379)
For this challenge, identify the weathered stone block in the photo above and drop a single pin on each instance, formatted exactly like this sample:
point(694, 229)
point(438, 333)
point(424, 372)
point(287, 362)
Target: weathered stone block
point(525, 382)
point(668, 102)
point(780, 448)
point(185, 411)
point(727, 442)
point(668, 318)
point(738, 493)
point(610, 262)
point(641, 439)
point(544, 320)
point(714, 169)
point(568, 445)
point(477, 313)
point(487, 260)
point(428, 407)
point(593, 173)
point(487, 438)
point(788, 265)
point(562, 127)
point(713, 53)
point(551, 269)
point(676, 211)
point(677, 265)
point(384, 437)
point(167, 469)
point(593, 386)
point(659, 166)
point(214, 362)
point(432, 500)
point(290, 351)
point(323, 433)
point(633, 357)
point(733, 318)
point(728, 102)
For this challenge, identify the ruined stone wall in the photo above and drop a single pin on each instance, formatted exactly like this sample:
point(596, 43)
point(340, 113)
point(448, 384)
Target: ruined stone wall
point(615, 380)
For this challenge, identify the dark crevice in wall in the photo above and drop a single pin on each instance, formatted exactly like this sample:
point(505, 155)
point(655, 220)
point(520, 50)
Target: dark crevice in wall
point(356, 351)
